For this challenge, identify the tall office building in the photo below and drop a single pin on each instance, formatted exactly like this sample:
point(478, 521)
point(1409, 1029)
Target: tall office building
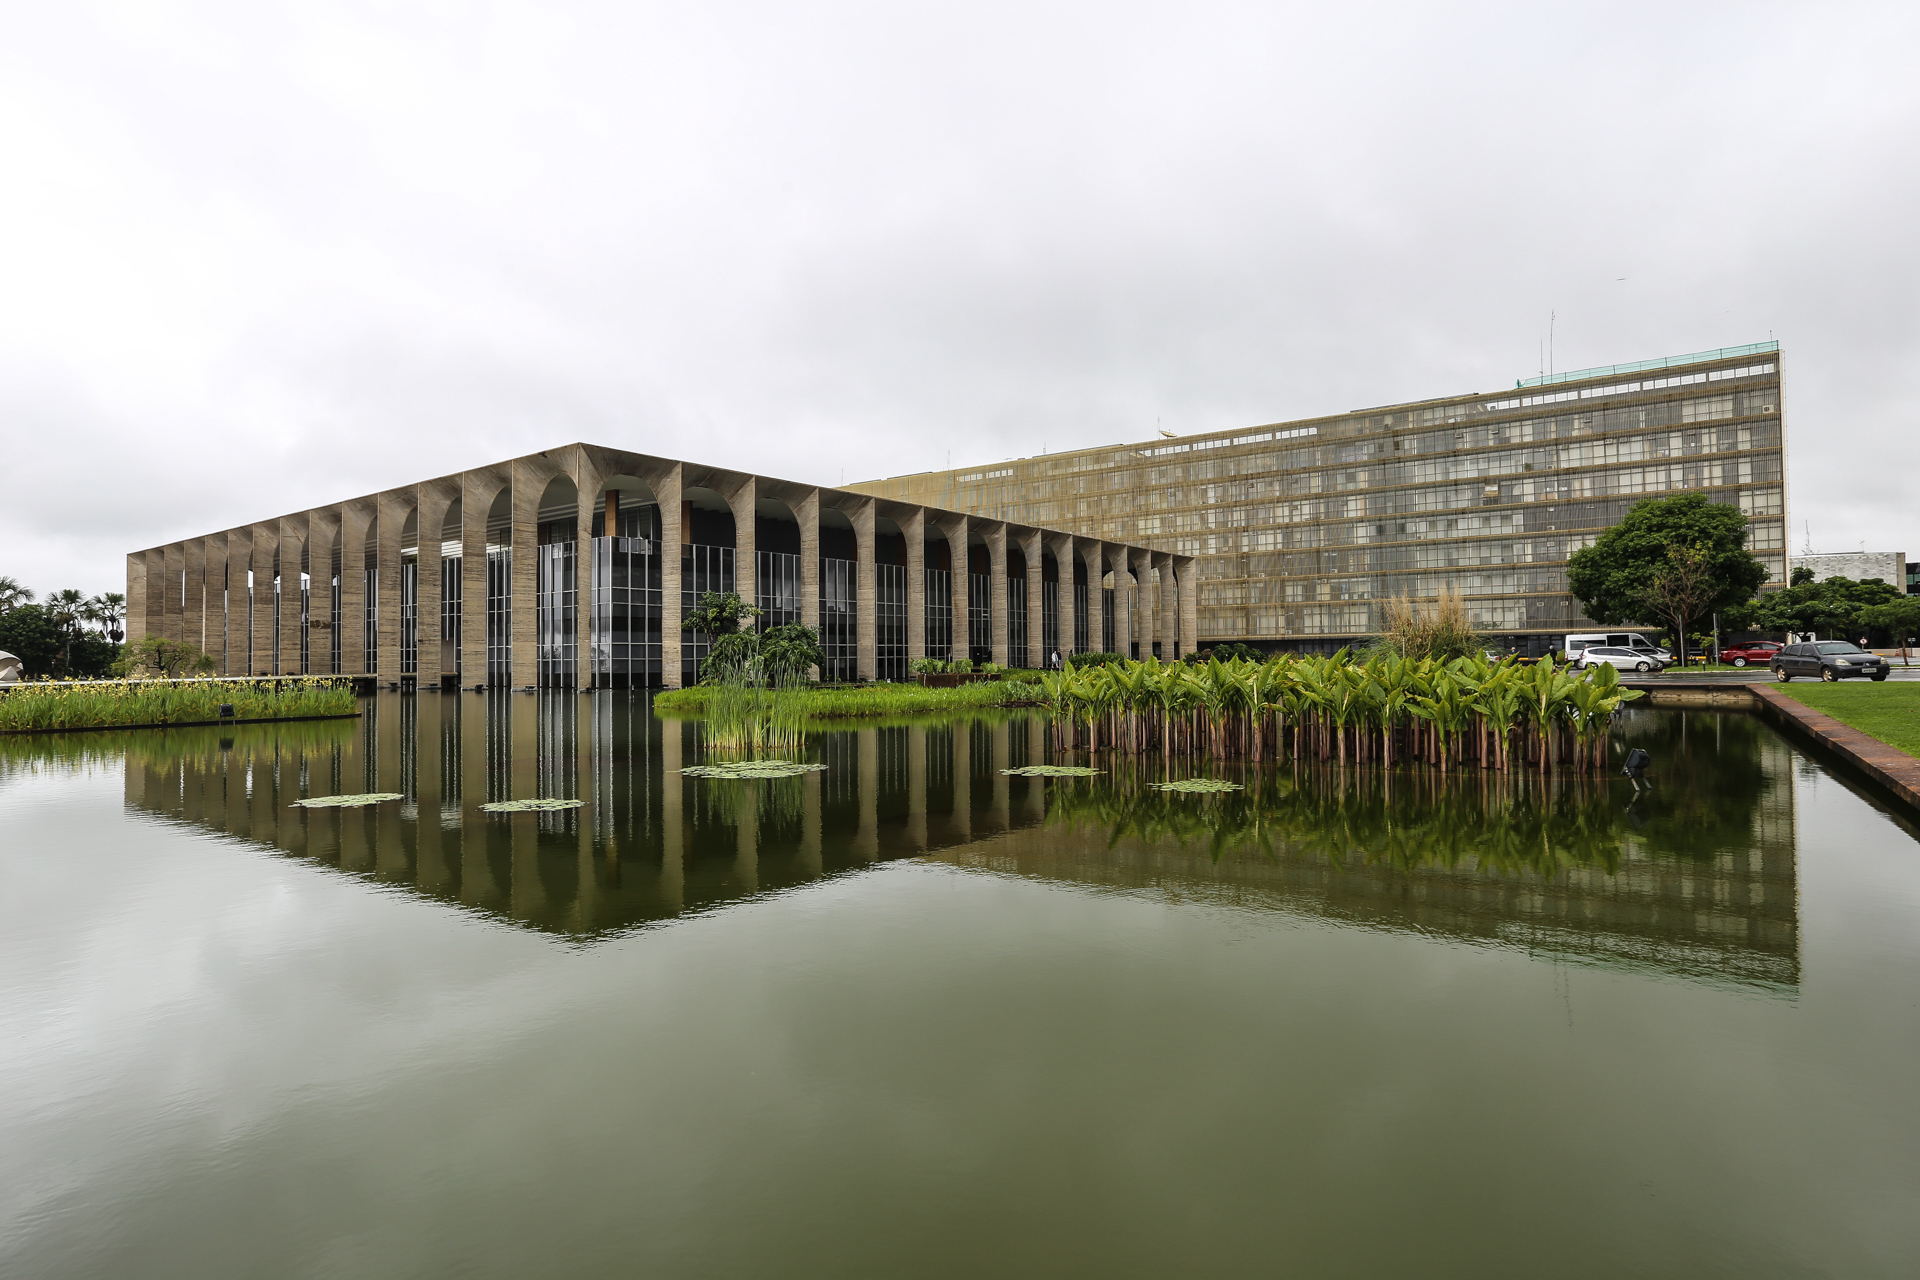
point(1301, 529)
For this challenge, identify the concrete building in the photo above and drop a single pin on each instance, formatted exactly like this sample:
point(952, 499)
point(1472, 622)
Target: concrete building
point(573, 568)
point(1888, 566)
point(1300, 528)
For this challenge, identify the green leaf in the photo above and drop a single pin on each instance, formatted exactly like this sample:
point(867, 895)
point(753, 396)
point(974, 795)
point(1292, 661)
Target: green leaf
point(526, 806)
point(1052, 771)
point(347, 802)
point(745, 770)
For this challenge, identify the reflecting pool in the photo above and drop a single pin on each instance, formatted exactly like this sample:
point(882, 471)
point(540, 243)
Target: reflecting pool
point(915, 1015)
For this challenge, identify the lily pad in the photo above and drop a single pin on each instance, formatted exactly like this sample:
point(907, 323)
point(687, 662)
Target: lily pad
point(347, 802)
point(1052, 771)
point(743, 770)
point(529, 806)
point(1197, 785)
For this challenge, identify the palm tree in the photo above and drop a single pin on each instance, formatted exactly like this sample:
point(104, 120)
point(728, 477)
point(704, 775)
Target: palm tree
point(106, 611)
point(66, 610)
point(13, 595)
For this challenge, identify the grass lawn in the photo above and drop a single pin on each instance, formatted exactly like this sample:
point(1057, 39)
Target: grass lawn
point(1889, 711)
point(872, 699)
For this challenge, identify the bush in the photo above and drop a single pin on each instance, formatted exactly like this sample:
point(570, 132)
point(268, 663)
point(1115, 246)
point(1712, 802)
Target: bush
point(1081, 661)
point(1442, 629)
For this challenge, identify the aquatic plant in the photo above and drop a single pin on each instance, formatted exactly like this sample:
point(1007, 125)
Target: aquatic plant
point(1197, 785)
point(1052, 771)
point(536, 805)
point(750, 769)
point(1383, 709)
point(346, 802)
point(54, 704)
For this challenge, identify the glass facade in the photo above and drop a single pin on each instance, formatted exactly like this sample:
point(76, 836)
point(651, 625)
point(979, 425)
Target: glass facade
point(839, 621)
point(1302, 528)
point(939, 606)
point(979, 617)
point(776, 585)
point(890, 621)
point(555, 648)
point(626, 613)
point(702, 569)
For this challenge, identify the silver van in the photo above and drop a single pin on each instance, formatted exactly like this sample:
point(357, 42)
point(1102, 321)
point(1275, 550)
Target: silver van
point(1579, 644)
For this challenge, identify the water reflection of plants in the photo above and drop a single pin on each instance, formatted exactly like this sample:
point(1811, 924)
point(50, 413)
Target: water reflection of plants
point(1383, 710)
point(1516, 823)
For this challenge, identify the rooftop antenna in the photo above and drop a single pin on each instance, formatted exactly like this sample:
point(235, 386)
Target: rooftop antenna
point(1551, 317)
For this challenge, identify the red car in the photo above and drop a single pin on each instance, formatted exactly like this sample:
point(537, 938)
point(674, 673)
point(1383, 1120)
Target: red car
point(1753, 652)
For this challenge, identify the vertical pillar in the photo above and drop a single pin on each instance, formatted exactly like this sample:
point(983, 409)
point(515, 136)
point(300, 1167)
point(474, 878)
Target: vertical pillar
point(1140, 611)
point(394, 506)
point(808, 514)
point(323, 530)
point(356, 519)
point(914, 528)
point(136, 622)
point(430, 505)
point(867, 750)
point(746, 540)
point(1115, 558)
point(529, 484)
point(266, 556)
point(1168, 598)
point(477, 492)
point(293, 541)
point(997, 578)
point(218, 633)
point(667, 487)
point(173, 564)
point(589, 485)
point(866, 592)
point(193, 605)
point(1090, 556)
point(1032, 546)
point(956, 531)
point(1063, 563)
point(1187, 576)
point(916, 787)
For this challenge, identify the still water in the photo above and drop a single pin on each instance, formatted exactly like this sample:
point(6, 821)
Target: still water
point(912, 1016)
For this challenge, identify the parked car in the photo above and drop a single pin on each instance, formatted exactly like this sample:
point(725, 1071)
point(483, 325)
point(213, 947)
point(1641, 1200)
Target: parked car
point(1617, 656)
point(1828, 659)
point(1752, 652)
point(1578, 644)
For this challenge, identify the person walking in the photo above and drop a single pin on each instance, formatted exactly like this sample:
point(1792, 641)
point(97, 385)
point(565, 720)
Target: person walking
point(1054, 661)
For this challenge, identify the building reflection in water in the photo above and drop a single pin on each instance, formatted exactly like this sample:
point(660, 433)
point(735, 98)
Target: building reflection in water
point(1695, 877)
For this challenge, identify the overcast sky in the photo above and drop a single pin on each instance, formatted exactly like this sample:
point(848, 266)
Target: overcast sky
point(258, 257)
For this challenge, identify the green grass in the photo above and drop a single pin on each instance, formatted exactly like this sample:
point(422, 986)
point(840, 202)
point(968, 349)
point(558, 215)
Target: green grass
point(1889, 711)
point(868, 700)
point(99, 705)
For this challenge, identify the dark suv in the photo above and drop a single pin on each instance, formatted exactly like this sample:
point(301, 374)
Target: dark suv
point(1828, 659)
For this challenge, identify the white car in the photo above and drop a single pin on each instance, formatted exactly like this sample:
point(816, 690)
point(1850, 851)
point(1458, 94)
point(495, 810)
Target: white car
point(1626, 659)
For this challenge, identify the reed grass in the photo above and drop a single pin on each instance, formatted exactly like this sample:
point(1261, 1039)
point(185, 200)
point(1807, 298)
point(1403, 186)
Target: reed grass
point(716, 701)
point(45, 705)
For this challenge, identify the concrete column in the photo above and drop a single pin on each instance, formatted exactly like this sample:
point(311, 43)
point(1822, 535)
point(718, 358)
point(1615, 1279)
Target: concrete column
point(218, 634)
point(914, 528)
point(477, 492)
point(355, 519)
point(394, 506)
point(1063, 562)
point(667, 487)
point(529, 483)
point(293, 541)
point(323, 529)
point(589, 482)
point(431, 502)
point(957, 530)
point(866, 841)
point(1140, 615)
point(173, 564)
point(266, 563)
point(746, 542)
point(997, 577)
point(866, 592)
point(193, 604)
point(1187, 576)
point(1167, 597)
point(136, 623)
point(807, 512)
point(1091, 558)
point(1032, 546)
point(1116, 559)
point(916, 787)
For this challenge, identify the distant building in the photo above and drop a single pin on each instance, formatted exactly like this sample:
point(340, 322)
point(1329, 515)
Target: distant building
point(1888, 566)
point(1302, 528)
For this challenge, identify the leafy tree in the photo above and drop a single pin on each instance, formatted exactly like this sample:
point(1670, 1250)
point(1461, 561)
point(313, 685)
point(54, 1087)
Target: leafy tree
point(1800, 575)
point(1899, 617)
point(106, 612)
point(159, 656)
point(778, 655)
point(1835, 607)
point(1630, 573)
point(719, 613)
point(12, 596)
point(29, 634)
